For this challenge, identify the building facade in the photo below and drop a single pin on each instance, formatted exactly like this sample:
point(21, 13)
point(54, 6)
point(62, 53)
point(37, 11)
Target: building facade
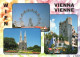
point(65, 29)
point(74, 38)
point(52, 41)
point(22, 43)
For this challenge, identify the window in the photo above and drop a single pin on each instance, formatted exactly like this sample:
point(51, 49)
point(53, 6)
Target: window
point(60, 44)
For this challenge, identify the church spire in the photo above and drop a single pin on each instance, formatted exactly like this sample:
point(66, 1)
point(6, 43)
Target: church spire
point(20, 36)
point(25, 37)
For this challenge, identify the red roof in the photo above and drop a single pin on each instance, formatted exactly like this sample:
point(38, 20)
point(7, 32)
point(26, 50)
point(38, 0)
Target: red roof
point(40, 27)
point(36, 27)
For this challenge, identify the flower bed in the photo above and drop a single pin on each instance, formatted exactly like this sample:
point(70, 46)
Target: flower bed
point(15, 51)
point(11, 51)
point(28, 52)
point(36, 52)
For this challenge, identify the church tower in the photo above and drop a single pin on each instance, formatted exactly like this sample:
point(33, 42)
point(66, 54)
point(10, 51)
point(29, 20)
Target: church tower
point(22, 43)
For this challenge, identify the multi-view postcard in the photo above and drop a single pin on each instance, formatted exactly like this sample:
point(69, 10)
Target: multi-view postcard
point(29, 15)
point(63, 36)
point(22, 41)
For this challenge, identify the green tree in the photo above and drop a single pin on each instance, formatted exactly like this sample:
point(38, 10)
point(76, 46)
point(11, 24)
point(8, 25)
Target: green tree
point(55, 35)
point(52, 46)
point(75, 50)
point(46, 49)
point(68, 50)
point(36, 48)
point(10, 44)
point(49, 35)
point(30, 48)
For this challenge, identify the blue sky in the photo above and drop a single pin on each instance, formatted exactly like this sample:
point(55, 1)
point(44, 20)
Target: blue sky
point(33, 35)
point(41, 8)
point(57, 18)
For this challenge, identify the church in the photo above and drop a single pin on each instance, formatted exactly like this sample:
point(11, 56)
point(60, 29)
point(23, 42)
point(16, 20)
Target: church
point(23, 43)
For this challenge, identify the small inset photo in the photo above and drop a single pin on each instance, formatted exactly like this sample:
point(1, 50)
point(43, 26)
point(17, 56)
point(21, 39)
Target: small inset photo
point(22, 41)
point(31, 15)
point(63, 35)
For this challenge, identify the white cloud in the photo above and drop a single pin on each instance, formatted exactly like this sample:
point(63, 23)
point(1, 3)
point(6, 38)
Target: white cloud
point(53, 20)
point(52, 25)
point(79, 21)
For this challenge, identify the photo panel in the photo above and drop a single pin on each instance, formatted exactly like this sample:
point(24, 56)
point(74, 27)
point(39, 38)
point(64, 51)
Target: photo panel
point(22, 41)
point(29, 15)
point(63, 35)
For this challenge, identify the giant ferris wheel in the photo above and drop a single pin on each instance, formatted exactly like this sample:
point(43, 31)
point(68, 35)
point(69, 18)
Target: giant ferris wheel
point(30, 20)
